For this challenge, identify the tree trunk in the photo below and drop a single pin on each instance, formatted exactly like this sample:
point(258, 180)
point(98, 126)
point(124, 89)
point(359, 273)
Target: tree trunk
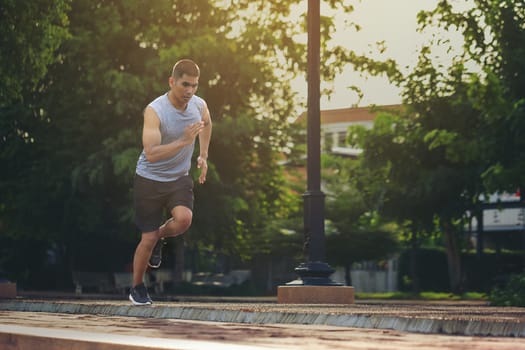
point(413, 262)
point(453, 258)
point(348, 275)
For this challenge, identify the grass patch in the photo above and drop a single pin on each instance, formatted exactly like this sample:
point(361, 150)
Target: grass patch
point(422, 296)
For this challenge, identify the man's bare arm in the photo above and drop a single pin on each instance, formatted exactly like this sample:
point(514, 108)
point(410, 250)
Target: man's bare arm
point(151, 138)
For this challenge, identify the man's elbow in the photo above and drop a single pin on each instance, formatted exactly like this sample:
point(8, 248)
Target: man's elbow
point(150, 157)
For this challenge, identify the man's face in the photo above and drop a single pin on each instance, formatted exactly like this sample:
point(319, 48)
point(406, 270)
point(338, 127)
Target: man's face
point(183, 88)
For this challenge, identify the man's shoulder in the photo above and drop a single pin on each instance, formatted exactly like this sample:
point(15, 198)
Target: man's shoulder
point(158, 105)
point(159, 100)
point(198, 100)
point(199, 103)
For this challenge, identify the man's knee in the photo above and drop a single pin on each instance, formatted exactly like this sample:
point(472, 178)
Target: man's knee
point(183, 217)
point(185, 220)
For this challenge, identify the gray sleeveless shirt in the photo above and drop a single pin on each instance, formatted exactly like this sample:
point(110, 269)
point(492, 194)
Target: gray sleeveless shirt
point(172, 125)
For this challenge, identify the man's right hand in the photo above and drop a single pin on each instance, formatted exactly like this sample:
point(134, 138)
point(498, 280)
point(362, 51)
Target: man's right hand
point(192, 131)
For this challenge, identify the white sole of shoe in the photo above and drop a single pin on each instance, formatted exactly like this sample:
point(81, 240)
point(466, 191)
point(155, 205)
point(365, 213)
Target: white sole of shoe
point(137, 303)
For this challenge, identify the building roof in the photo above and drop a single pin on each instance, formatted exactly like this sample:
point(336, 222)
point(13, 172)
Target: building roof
point(354, 114)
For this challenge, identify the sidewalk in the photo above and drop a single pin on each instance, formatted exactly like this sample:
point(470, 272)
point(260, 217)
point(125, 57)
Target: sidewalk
point(454, 318)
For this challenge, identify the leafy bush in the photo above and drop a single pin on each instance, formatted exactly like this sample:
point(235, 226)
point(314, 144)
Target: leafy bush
point(511, 293)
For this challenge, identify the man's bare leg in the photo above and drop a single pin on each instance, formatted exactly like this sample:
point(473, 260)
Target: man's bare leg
point(175, 226)
point(142, 255)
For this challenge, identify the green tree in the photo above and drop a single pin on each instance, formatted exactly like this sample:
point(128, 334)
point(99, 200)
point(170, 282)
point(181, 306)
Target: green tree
point(458, 136)
point(493, 34)
point(30, 33)
point(423, 180)
point(74, 176)
point(353, 196)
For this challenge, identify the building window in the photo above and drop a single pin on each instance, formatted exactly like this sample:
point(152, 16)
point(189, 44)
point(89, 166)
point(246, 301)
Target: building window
point(341, 139)
point(328, 141)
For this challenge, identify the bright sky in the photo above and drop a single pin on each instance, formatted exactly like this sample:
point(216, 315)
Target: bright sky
point(393, 21)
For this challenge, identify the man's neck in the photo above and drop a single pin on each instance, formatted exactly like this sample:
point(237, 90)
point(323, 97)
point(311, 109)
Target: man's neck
point(181, 106)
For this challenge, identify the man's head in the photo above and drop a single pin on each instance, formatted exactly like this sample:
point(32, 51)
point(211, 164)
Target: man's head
point(184, 81)
point(185, 67)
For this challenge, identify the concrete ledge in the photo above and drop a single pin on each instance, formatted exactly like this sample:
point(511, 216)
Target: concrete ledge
point(315, 295)
point(7, 290)
point(417, 318)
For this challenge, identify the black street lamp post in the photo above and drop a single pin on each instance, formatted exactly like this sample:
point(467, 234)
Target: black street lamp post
point(314, 271)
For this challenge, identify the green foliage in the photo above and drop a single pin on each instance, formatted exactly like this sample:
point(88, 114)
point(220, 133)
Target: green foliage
point(493, 40)
point(430, 273)
point(421, 296)
point(512, 293)
point(72, 144)
point(483, 272)
point(351, 203)
point(30, 33)
point(457, 136)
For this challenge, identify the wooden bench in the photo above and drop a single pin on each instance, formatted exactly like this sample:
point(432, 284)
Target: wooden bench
point(160, 278)
point(123, 281)
point(118, 282)
point(98, 281)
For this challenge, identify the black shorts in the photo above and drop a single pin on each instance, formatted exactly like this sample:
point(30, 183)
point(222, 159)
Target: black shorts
point(152, 197)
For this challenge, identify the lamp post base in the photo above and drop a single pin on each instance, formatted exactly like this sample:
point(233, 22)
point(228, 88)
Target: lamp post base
point(301, 294)
point(314, 286)
point(314, 273)
point(7, 290)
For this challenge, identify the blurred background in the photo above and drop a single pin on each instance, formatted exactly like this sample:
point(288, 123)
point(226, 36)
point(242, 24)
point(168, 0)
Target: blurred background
point(423, 158)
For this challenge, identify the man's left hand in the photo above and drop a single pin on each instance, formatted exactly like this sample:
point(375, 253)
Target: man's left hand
point(202, 164)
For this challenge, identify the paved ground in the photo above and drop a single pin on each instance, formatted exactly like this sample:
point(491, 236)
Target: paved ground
point(441, 318)
point(208, 323)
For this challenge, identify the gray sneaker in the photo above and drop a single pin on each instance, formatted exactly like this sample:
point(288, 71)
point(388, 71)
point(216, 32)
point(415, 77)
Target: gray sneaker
point(138, 295)
point(156, 255)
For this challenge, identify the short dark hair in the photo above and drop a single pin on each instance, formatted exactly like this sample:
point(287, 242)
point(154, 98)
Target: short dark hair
point(187, 67)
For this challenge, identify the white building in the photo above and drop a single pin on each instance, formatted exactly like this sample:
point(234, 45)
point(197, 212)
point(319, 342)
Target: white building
point(335, 123)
